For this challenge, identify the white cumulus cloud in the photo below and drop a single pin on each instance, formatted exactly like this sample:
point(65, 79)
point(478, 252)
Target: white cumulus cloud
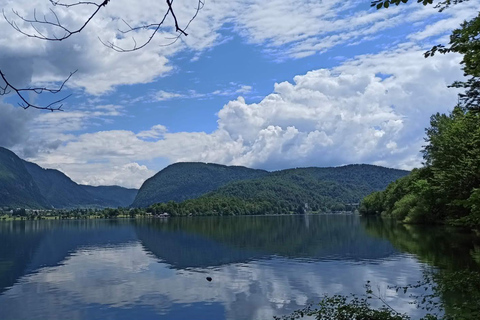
point(369, 109)
point(372, 109)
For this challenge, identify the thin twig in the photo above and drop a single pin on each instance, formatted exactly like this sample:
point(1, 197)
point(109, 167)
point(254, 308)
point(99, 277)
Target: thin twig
point(55, 22)
point(155, 27)
point(60, 32)
point(25, 104)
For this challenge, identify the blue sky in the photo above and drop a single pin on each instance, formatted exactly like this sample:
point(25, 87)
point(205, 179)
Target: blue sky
point(268, 85)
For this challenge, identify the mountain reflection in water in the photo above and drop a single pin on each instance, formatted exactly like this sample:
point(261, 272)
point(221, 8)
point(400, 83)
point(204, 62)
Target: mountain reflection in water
point(260, 266)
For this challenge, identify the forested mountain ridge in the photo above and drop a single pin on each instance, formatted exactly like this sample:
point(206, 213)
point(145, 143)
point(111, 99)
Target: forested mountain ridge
point(370, 176)
point(318, 187)
point(187, 180)
point(289, 191)
point(58, 189)
point(17, 187)
point(25, 184)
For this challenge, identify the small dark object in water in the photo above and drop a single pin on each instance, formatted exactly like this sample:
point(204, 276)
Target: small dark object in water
point(209, 278)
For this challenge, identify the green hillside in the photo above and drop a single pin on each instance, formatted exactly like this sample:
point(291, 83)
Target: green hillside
point(198, 188)
point(58, 189)
point(61, 192)
point(188, 180)
point(25, 184)
point(365, 176)
point(17, 187)
point(322, 189)
point(290, 191)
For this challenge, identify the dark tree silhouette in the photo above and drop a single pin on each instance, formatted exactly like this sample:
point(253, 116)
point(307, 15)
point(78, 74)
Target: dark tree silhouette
point(58, 31)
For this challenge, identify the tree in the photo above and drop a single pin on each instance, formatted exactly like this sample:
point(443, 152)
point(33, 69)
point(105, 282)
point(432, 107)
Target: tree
point(372, 204)
point(464, 40)
point(50, 28)
point(453, 153)
point(442, 5)
point(447, 188)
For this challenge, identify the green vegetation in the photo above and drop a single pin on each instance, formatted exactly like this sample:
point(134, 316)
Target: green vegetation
point(428, 295)
point(323, 189)
point(58, 189)
point(287, 191)
point(205, 189)
point(61, 192)
point(447, 188)
point(68, 214)
point(188, 180)
point(17, 187)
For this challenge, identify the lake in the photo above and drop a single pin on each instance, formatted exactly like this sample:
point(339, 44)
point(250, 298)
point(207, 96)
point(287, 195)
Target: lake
point(260, 266)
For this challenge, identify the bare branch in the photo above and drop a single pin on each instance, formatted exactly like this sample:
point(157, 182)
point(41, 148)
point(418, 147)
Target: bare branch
point(57, 31)
point(199, 7)
point(177, 28)
point(155, 27)
point(25, 104)
point(55, 22)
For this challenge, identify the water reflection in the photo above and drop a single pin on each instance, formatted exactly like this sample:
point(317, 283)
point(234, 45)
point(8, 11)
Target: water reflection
point(261, 266)
point(203, 242)
point(440, 246)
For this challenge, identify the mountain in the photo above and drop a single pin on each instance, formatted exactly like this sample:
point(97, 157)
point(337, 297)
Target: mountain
point(61, 192)
point(188, 180)
point(58, 189)
point(287, 191)
point(17, 187)
point(323, 189)
point(26, 184)
point(320, 188)
point(369, 176)
point(114, 196)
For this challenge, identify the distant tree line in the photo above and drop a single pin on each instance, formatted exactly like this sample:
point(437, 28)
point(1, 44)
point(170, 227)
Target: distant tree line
point(78, 213)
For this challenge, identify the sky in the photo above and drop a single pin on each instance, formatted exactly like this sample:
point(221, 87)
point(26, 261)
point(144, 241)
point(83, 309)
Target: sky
point(264, 84)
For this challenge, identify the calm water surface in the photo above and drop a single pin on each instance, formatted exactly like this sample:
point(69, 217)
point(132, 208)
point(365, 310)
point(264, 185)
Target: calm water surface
point(261, 266)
